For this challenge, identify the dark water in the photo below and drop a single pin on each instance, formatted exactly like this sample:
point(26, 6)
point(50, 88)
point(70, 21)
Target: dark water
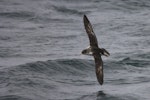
point(41, 41)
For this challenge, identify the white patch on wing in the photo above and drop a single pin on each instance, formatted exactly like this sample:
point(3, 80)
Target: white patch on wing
point(88, 47)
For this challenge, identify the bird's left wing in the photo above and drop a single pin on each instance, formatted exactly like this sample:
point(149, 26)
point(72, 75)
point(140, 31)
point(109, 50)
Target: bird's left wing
point(90, 32)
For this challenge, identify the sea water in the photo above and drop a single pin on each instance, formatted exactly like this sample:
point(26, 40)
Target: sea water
point(41, 43)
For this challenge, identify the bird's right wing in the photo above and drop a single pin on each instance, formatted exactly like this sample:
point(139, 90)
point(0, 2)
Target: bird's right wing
point(98, 67)
point(90, 32)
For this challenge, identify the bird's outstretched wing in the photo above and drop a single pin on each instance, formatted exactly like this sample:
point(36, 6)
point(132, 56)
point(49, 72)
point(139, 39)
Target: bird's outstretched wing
point(90, 32)
point(98, 67)
point(96, 54)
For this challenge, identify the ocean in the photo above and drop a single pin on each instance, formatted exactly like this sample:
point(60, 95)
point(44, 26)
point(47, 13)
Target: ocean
point(41, 43)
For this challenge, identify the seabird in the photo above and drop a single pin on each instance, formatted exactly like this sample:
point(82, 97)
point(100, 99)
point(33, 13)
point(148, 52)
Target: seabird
point(94, 50)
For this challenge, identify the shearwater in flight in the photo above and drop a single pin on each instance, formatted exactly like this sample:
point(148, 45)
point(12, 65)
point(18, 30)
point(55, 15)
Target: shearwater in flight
point(94, 50)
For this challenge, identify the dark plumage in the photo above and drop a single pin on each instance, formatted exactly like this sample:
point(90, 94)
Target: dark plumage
point(95, 50)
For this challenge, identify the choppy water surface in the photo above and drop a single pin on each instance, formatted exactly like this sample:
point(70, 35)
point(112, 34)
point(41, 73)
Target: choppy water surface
point(41, 41)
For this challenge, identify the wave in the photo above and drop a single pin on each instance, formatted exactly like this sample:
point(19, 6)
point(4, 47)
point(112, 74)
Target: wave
point(76, 67)
point(21, 14)
point(63, 66)
point(53, 75)
point(135, 62)
point(13, 97)
point(68, 10)
point(57, 67)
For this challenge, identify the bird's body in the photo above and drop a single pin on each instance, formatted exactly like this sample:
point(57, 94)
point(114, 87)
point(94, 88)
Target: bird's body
point(94, 50)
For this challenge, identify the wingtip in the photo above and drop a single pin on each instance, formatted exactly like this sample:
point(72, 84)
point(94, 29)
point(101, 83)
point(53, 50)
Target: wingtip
point(84, 15)
point(100, 82)
point(85, 18)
